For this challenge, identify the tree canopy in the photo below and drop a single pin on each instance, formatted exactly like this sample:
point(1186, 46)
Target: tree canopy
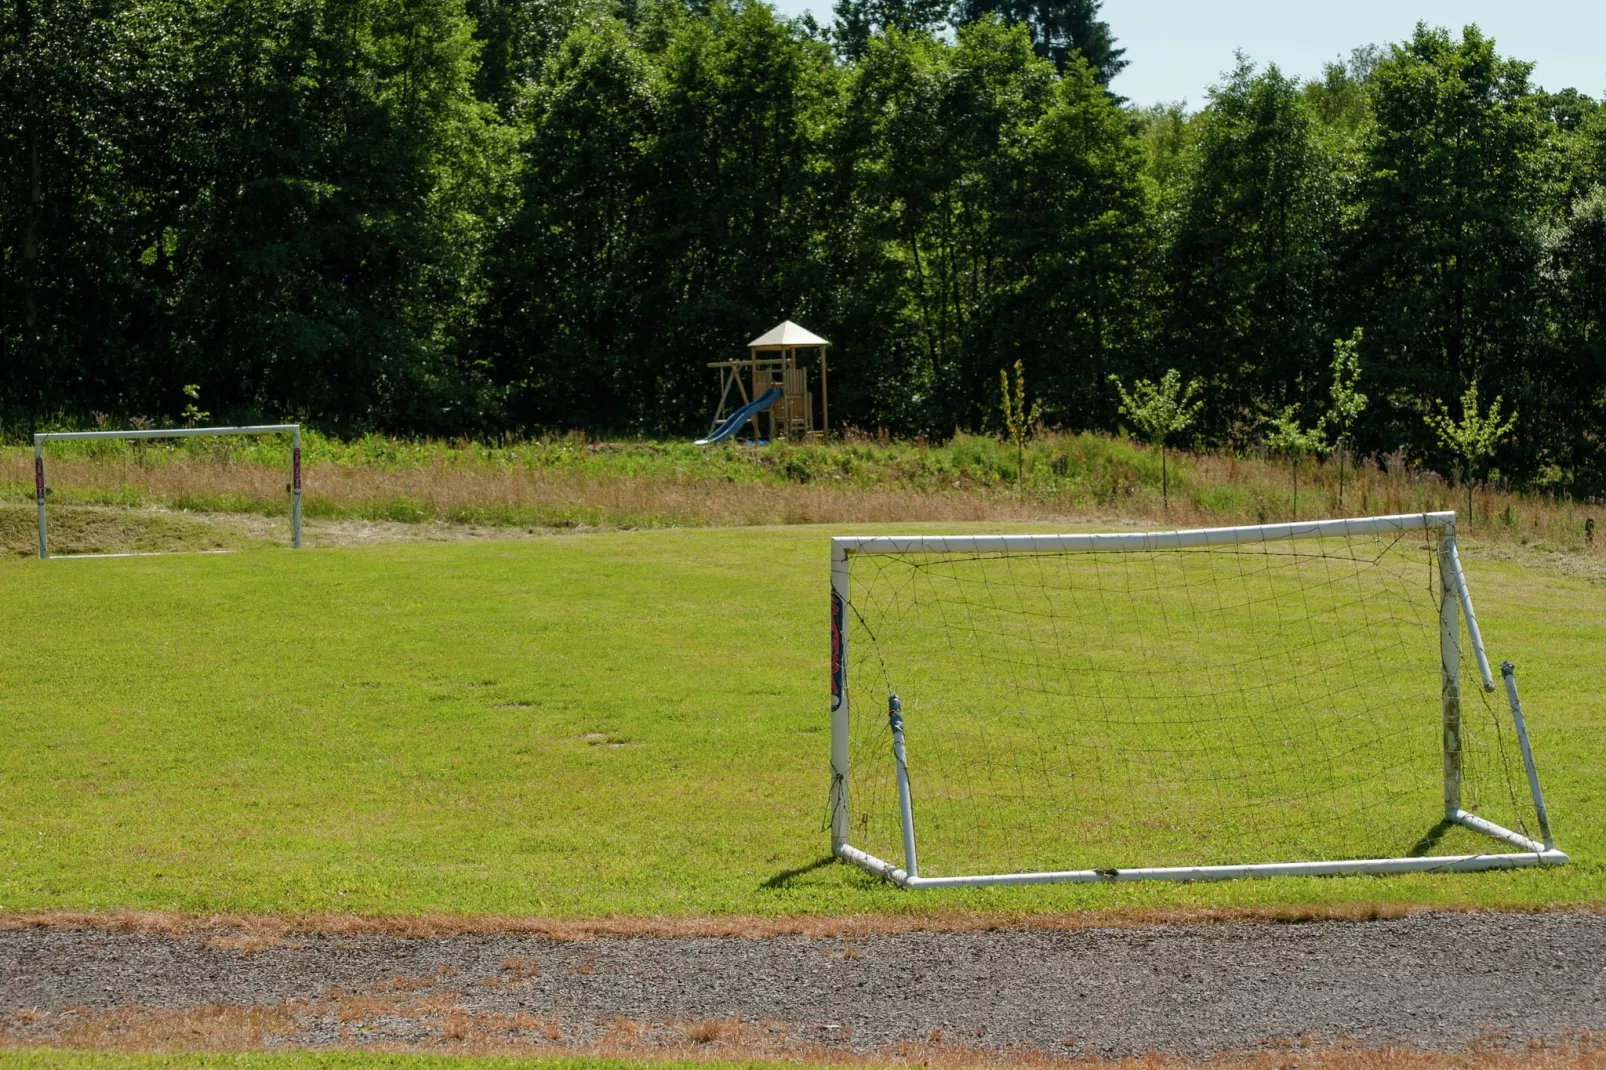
point(488, 216)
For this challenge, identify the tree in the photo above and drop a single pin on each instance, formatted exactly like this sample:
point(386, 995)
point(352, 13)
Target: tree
point(1295, 442)
point(1250, 271)
point(569, 270)
point(193, 415)
point(87, 121)
point(942, 131)
point(857, 21)
point(1475, 436)
point(1059, 29)
point(1564, 420)
point(1347, 402)
point(1339, 97)
point(1009, 206)
point(734, 203)
point(478, 216)
point(1160, 410)
point(1575, 405)
point(1018, 419)
point(344, 174)
point(1447, 251)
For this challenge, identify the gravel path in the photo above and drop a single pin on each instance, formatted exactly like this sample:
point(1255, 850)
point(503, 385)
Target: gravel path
point(1438, 982)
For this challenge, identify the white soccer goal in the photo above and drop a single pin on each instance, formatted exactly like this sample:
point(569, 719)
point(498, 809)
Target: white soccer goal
point(293, 430)
point(1278, 700)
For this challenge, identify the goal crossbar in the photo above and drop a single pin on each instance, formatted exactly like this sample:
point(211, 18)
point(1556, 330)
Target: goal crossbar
point(1454, 595)
point(293, 430)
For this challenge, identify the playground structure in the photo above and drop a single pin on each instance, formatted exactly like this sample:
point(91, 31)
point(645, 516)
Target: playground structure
point(771, 384)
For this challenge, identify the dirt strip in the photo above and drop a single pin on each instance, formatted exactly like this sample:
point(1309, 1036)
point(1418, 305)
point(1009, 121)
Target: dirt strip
point(260, 930)
point(1452, 982)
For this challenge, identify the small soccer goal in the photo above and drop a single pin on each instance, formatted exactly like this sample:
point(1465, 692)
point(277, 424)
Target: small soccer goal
point(40, 486)
point(1277, 700)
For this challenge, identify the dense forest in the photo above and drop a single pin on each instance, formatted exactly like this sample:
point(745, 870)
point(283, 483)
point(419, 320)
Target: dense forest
point(513, 216)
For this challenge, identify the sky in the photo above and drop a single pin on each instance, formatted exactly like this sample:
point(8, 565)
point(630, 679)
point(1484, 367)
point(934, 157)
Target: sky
point(1179, 48)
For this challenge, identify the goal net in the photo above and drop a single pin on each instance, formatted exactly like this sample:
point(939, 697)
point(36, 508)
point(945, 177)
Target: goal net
point(1289, 699)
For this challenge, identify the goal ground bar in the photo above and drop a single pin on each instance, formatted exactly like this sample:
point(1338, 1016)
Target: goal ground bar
point(1539, 856)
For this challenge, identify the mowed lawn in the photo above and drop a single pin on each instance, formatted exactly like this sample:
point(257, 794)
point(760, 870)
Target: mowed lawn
point(629, 723)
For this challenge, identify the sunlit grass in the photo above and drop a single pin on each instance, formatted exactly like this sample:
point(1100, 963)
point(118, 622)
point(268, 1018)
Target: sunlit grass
point(616, 723)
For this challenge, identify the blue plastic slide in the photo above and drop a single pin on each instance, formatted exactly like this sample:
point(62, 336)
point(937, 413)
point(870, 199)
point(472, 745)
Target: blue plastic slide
point(735, 420)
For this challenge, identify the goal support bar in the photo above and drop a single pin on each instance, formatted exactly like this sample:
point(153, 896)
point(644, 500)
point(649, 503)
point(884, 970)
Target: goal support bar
point(1348, 867)
point(1455, 604)
point(293, 430)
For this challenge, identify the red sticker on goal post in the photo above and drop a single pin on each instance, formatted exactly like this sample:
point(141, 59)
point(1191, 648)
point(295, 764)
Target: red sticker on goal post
point(295, 467)
point(836, 651)
point(39, 478)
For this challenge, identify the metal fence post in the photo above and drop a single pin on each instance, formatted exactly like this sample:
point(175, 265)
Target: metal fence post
point(39, 490)
point(295, 488)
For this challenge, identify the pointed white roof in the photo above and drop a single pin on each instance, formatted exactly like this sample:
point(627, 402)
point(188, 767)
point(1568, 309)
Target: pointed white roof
point(787, 334)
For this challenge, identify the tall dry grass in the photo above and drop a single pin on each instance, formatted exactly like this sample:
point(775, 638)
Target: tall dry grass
point(656, 485)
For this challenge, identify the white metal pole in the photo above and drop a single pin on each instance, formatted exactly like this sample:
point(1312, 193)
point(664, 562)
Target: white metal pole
point(1450, 669)
point(295, 488)
point(1509, 671)
point(906, 813)
point(839, 696)
point(1498, 832)
point(1473, 632)
point(1140, 541)
point(1533, 854)
point(39, 490)
point(167, 432)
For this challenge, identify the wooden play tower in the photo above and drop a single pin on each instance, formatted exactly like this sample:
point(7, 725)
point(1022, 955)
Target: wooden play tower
point(772, 364)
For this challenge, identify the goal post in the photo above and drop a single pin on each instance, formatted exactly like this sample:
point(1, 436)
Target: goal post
point(1187, 705)
point(293, 430)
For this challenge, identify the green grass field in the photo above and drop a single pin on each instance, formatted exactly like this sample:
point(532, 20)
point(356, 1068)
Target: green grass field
point(630, 723)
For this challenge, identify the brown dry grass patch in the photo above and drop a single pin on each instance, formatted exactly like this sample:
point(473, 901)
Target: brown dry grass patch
point(249, 933)
point(211, 1027)
point(453, 1029)
point(460, 485)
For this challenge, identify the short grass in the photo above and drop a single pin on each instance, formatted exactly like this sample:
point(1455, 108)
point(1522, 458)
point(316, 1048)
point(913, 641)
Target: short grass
point(628, 723)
